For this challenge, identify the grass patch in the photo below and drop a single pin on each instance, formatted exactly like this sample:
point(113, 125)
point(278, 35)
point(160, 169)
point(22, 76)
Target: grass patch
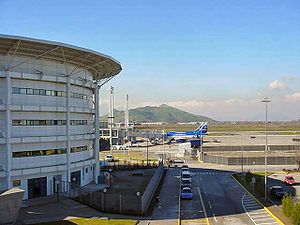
point(92, 221)
point(259, 186)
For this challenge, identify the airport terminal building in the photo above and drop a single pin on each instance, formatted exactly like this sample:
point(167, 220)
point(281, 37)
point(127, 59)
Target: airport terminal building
point(49, 113)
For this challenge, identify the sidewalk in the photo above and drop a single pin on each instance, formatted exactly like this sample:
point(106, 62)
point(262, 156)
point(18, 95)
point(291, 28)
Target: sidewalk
point(166, 212)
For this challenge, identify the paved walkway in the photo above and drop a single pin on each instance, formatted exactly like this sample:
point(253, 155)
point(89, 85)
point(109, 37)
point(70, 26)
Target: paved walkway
point(166, 212)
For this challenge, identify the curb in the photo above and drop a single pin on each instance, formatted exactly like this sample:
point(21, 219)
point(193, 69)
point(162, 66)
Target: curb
point(265, 208)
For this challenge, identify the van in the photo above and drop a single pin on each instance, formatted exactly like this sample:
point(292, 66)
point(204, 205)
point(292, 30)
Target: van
point(186, 175)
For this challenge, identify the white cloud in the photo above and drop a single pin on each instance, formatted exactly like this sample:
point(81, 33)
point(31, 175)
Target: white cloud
point(293, 97)
point(277, 85)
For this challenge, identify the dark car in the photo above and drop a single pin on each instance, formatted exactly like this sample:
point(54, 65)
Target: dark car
point(277, 192)
point(185, 183)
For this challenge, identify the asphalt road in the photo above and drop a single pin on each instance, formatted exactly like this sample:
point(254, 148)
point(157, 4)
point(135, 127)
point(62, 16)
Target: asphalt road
point(223, 201)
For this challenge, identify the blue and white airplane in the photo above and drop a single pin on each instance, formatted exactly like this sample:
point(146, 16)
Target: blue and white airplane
point(182, 135)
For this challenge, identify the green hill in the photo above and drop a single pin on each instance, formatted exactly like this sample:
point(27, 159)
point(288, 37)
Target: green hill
point(163, 113)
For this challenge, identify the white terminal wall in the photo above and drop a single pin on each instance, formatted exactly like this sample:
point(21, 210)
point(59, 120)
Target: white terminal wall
point(35, 107)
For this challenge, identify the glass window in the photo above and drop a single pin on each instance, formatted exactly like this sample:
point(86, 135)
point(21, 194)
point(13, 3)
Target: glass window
point(36, 91)
point(29, 91)
point(16, 183)
point(23, 91)
point(48, 92)
point(16, 122)
point(15, 90)
point(59, 93)
point(42, 92)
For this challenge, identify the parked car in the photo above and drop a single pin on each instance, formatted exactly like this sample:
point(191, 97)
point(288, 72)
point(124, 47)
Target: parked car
point(109, 158)
point(186, 193)
point(277, 192)
point(185, 183)
point(186, 176)
point(119, 147)
point(289, 180)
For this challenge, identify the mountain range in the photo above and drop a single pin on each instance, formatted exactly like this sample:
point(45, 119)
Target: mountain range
point(162, 113)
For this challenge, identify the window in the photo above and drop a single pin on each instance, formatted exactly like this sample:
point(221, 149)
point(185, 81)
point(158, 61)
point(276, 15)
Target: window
point(15, 90)
point(36, 91)
point(23, 91)
point(16, 183)
point(29, 91)
point(32, 91)
point(39, 153)
point(42, 92)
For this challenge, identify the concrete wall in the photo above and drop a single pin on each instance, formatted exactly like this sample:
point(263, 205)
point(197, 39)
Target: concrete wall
point(10, 202)
point(151, 188)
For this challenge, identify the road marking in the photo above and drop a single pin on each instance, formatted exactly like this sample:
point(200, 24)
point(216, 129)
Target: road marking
point(203, 206)
point(255, 212)
point(215, 217)
point(209, 204)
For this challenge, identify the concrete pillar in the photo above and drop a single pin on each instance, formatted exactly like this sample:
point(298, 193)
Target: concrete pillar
point(97, 134)
point(8, 133)
point(68, 129)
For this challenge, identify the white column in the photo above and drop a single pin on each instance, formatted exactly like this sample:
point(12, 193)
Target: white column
point(8, 125)
point(68, 129)
point(97, 134)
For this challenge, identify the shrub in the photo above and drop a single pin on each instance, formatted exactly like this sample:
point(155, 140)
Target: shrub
point(287, 206)
point(296, 214)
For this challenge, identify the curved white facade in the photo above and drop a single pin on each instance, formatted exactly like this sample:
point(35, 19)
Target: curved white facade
point(48, 116)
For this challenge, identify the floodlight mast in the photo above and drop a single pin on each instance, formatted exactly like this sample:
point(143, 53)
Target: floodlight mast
point(266, 100)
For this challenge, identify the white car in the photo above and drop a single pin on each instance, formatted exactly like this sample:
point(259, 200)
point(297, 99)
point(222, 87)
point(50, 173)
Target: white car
point(186, 175)
point(184, 169)
point(109, 158)
point(119, 147)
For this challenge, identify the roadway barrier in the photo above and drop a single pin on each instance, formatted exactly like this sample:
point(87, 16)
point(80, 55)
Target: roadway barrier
point(151, 188)
point(262, 205)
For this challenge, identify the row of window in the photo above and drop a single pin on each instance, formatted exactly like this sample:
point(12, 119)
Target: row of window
point(47, 122)
point(48, 152)
point(32, 91)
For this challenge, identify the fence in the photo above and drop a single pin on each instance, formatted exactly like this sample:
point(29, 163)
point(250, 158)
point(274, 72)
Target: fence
point(271, 160)
point(250, 148)
point(123, 203)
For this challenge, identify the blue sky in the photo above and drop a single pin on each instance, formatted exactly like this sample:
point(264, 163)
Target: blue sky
point(212, 57)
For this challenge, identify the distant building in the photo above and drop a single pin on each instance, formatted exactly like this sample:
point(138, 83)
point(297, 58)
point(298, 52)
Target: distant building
point(49, 114)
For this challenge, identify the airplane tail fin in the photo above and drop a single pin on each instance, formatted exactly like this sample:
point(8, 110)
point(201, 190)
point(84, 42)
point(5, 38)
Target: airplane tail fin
point(202, 126)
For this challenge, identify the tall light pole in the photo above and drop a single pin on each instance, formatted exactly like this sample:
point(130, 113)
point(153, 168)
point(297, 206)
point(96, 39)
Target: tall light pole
point(164, 154)
point(266, 101)
point(111, 116)
point(147, 146)
point(242, 153)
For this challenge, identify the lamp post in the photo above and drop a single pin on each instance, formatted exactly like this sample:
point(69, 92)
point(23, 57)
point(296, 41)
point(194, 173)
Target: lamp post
point(164, 154)
point(147, 146)
point(104, 199)
point(266, 101)
point(242, 153)
point(138, 194)
point(57, 190)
